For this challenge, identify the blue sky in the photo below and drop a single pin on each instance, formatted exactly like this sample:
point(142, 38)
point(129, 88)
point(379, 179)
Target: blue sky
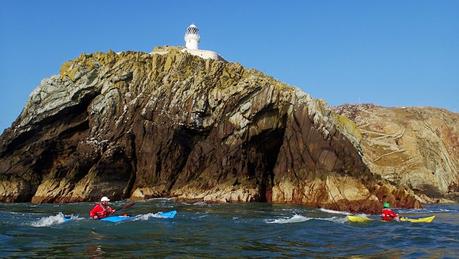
point(391, 53)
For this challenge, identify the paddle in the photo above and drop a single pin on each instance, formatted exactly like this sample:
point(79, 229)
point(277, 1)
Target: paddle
point(125, 206)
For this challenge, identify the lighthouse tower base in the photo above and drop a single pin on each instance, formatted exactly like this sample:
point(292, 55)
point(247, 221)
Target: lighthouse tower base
point(205, 54)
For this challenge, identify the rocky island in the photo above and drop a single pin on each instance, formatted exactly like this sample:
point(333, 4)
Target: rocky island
point(171, 124)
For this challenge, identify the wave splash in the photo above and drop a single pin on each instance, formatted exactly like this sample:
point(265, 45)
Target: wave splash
point(52, 220)
point(294, 219)
point(335, 211)
point(423, 211)
point(148, 216)
point(298, 218)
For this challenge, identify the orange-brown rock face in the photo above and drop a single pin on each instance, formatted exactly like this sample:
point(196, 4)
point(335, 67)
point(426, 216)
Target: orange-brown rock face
point(413, 147)
point(168, 124)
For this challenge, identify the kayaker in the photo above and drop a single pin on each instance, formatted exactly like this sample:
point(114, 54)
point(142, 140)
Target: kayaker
point(102, 209)
point(387, 214)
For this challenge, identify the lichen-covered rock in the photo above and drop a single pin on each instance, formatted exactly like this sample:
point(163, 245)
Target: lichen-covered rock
point(169, 124)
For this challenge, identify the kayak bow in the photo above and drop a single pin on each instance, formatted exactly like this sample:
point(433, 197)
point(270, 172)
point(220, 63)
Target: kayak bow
point(67, 218)
point(359, 219)
point(418, 220)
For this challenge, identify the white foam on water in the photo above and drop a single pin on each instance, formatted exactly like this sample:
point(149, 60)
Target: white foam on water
point(294, 219)
point(160, 199)
point(18, 213)
point(148, 216)
point(334, 219)
point(52, 220)
point(145, 216)
point(423, 211)
point(298, 218)
point(335, 211)
point(200, 203)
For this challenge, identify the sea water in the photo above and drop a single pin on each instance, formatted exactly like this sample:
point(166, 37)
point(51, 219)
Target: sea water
point(222, 230)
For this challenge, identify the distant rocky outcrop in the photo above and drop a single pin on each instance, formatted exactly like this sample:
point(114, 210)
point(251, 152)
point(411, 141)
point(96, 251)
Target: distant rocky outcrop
point(411, 146)
point(170, 124)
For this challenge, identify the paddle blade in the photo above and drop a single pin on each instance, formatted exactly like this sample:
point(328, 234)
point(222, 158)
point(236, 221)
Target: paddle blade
point(128, 205)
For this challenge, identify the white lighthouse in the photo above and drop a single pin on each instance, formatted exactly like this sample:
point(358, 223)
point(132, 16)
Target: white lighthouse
point(192, 37)
point(192, 40)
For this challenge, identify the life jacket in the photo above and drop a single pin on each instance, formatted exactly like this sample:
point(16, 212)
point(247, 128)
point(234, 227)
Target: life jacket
point(388, 215)
point(100, 211)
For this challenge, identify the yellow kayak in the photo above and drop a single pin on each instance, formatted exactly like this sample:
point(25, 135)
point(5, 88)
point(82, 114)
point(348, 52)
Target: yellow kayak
point(419, 220)
point(362, 219)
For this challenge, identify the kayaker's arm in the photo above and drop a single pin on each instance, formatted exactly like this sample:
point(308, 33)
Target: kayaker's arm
point(98, 215)
point(395, 216)
point(111, 211)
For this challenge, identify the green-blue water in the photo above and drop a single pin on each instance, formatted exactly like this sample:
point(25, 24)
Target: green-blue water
point(222, 230)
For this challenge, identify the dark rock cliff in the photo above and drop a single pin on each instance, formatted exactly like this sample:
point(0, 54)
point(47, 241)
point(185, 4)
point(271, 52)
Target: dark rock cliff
point(169, 124)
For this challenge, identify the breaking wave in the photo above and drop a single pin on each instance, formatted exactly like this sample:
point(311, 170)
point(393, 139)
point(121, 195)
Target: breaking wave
point(53, 220)
point(420, 211)
point(334, 219)
point(298, 218)
point(335, 211)
point(294, 219)
point(198, 203)
point(148, 216)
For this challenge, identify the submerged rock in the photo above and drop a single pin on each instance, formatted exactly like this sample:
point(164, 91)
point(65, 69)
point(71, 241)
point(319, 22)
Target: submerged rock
point(170, 124)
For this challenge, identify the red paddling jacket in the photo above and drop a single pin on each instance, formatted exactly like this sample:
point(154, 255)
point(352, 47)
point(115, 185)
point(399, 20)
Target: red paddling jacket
point(101, 211)
point(388, 215)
